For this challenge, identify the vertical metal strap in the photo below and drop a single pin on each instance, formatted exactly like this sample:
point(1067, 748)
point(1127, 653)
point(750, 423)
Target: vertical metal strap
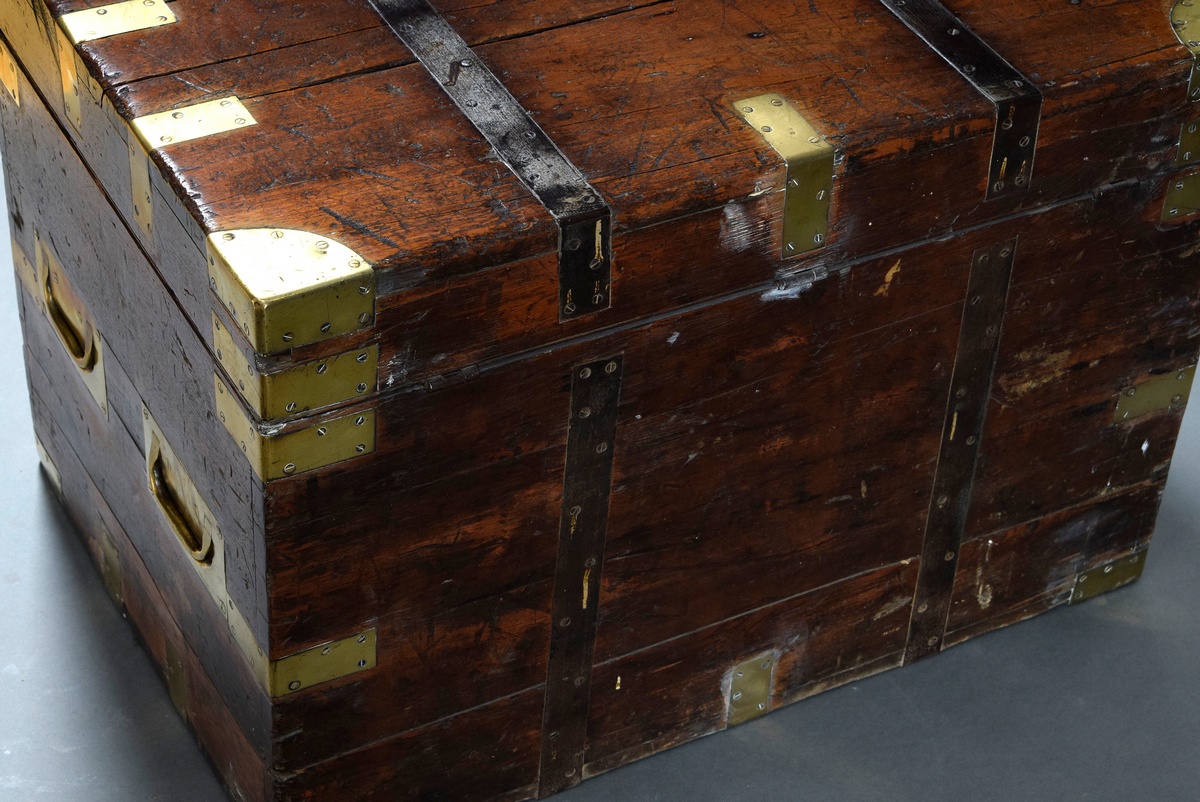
point(584, 219)
point(1018, 102)
point(587, 483)
point(971, 384)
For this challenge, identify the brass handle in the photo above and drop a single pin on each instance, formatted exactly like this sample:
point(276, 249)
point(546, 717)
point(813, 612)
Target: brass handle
point(81, 345)
point(198, 544)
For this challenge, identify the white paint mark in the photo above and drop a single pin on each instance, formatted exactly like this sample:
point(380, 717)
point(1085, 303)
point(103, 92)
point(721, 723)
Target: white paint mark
point(1145, 448)
point(674, 338)
point(738, 228)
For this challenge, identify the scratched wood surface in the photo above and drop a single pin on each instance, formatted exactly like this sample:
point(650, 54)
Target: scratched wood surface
point(778, 432)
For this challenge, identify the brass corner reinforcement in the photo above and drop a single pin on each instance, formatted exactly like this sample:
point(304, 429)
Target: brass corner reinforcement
point(99, 23)
point(1109, 576)
point(322, 663)
point(1185, 20)
point(1169, 391)
point(750, 688)
point(808, 186)
point(310, 386)
point(1189, 143)
point(1183, 197)
point(277, 454)
point(9, 76)
point(288, 288)
point(153, 131)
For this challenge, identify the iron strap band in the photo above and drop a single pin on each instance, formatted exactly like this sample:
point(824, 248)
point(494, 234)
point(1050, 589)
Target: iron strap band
point(583, 529)
point(584, 219)
point(962, 433)
point(1018, 102)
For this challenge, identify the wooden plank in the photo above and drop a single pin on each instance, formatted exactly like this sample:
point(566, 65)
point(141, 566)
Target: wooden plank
point(673, 692)
point(954, 480)
point(1011, 575)
point(233, 756)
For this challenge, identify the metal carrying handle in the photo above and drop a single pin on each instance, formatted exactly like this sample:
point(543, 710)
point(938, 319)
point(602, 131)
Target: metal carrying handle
point(199, 544)
point(81, 345)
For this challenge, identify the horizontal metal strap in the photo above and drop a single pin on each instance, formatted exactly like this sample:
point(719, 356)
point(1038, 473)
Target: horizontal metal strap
point(1018, 102)
point(584, 219)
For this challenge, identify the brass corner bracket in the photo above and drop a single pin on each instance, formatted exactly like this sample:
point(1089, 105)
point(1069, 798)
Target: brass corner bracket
point(1185, 20)
point(288, 288)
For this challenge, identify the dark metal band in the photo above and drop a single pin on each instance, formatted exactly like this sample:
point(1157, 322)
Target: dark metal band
point(1018, 102)
point(587, 484)
point(584, 219)
point(954, 480)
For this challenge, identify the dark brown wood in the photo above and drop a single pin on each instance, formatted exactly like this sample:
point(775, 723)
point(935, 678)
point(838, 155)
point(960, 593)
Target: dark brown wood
point(954, 480)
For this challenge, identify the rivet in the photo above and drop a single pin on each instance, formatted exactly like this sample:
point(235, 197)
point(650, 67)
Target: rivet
point(586, 373)
point(294, 685)
point(362, 387)
point(291, 407)
point(586, 412)
point(611, 367)
point(326, 327)
point(360, 420)
point(322, 368)
point(360, 448)
point(289, 468)
point(322, 431)
point(600, 449)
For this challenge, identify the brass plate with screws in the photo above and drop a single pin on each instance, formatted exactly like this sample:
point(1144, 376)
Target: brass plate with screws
point(288, 288)
point(1189, 143)
point(117, 18)
point(810, 164)
point(275, 455)
point(9, 74)
point(1110, 576)
point(1185, 19)
point(310, 386)
point(750, 688)
point(328, 661)
point(192, 122)
point(1169, 391)
point(1183, 197)
point(139, 185)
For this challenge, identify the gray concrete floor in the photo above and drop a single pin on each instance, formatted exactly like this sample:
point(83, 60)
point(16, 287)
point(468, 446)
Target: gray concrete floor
point(1095, 702)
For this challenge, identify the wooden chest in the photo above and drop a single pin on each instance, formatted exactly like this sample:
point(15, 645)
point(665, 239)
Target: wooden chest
point(466, 399)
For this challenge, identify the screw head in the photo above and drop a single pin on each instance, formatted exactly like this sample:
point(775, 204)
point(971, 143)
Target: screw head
point(294, 685)
point(289, 468)
point(586, 373)
point(611, 367)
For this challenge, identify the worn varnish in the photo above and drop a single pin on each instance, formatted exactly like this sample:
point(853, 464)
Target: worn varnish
point(553, 593)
